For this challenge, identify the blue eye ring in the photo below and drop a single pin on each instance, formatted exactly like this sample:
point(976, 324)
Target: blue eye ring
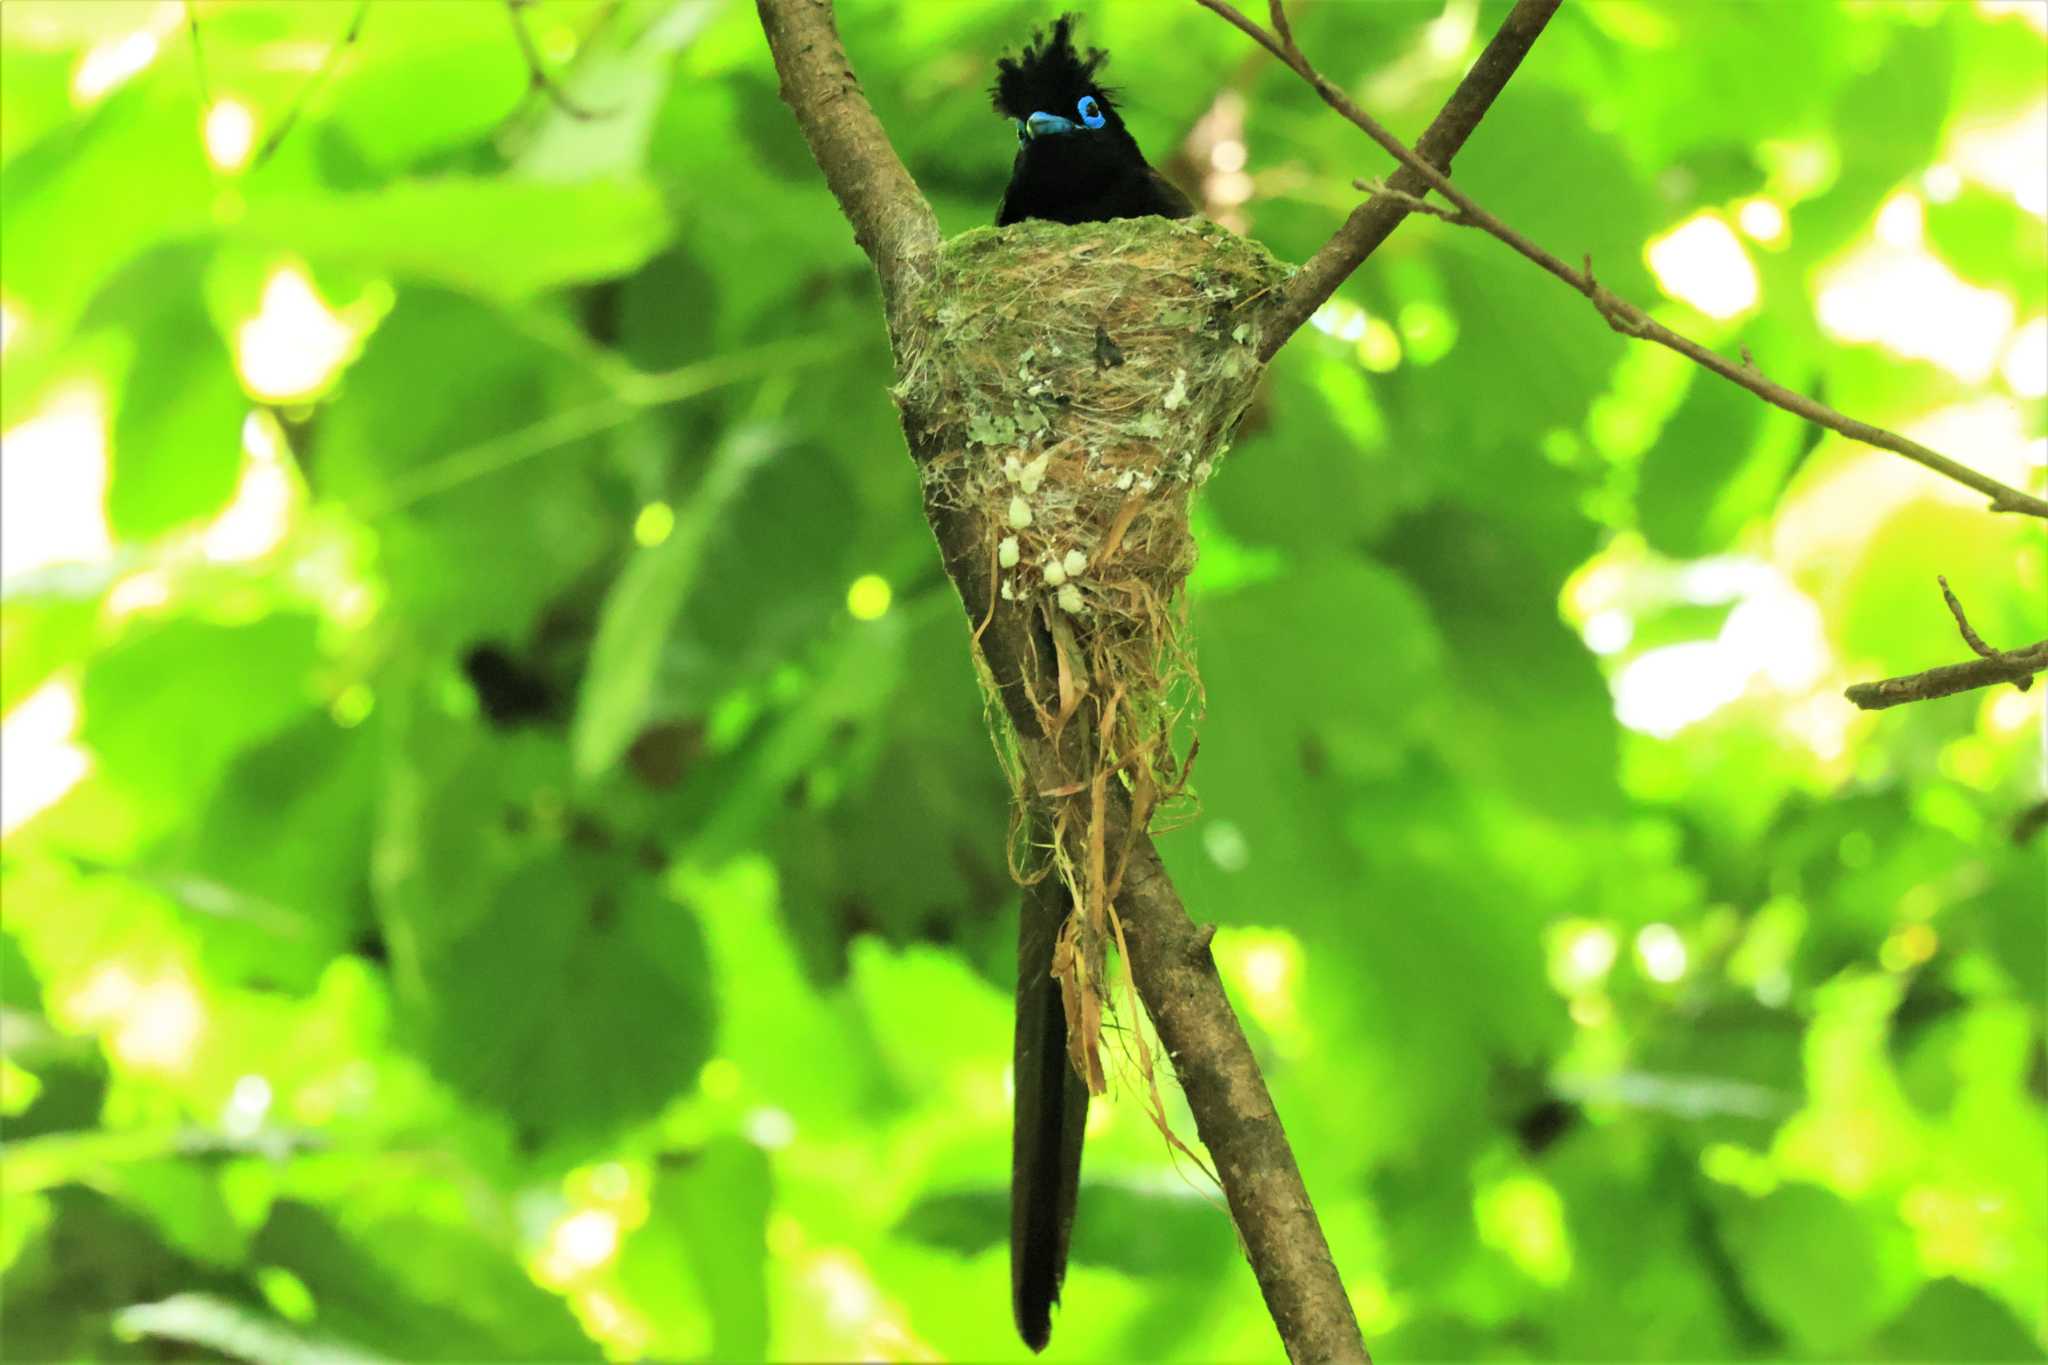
point(1091, 112)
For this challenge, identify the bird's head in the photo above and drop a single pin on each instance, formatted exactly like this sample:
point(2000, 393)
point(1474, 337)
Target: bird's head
point(1049, 89)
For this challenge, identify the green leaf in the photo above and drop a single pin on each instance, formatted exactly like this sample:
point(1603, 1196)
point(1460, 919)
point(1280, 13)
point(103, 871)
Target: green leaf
point(1950, 1320)
point(578, 1003)
point(1826, 1271)
point(619, 688)
point(1531, 710)
point(496, 238)
point(150, 716)
point(413, 1283)
point(177, 448)
point(1991, 241)
point(1710, 438)
point(709, 1211)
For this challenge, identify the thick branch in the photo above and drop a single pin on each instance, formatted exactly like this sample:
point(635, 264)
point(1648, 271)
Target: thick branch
point(1988, 669)
point(1170, 965)
point(2017, 667)
point(1168, 956)
point(1176, 977)
point(891, 220)
point(1622, 315)
point(1371, 222)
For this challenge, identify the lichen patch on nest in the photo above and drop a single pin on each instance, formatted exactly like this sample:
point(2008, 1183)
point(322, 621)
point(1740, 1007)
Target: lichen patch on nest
point(1073, 386)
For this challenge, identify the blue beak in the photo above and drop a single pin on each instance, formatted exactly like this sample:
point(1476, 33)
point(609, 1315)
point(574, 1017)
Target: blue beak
point(1039, 124)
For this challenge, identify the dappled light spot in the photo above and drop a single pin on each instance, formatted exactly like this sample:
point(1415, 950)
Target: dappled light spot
point(1702, 262)
point(42, 761)
point(1907, 946)
point(1581, 953)
point(111, 64)
point(11, 324)
point(1226, 845)
point(256, 519)
point(1763, 220)
point(230, 134)
point(1608, 632)
point(2026, 360)
point(657, 520)
point(2007, 157)
point(1522, 1217)
point(868, 598)
point(53, 485)
point(296, 345)
point(151, 1023)
point(1665, 690)
point(1265, 965)
point(247, 1107)
point(1379, 348)
point(1661, 952)
point(579, 1243)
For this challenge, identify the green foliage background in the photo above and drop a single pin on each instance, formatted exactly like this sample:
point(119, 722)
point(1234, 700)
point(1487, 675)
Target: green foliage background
point(522, 910)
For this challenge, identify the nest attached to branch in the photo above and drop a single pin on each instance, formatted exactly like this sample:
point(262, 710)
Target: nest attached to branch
point(1070, 387)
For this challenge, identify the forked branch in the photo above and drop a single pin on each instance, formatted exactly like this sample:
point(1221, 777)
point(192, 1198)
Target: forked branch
point(1620, 314)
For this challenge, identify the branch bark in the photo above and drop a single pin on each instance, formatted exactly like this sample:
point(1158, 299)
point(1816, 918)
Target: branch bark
point(891, 220)
point(1167, 955)
point(1620, 314)
point(1988, 669)
point(1371, 222)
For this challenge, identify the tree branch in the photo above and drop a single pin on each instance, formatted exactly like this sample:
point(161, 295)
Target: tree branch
point(1620, 314)
point(1167, 955)
point(1991, 667)
point(1371, 222)
point(891, 220)
point(1169, 962)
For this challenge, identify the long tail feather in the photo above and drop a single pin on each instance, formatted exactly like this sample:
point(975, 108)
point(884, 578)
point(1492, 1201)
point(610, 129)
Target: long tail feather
point(1051, 1114)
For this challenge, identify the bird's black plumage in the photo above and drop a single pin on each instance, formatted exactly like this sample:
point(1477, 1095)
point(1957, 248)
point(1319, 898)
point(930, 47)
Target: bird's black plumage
point(1076, 162)
point(1048, 1121)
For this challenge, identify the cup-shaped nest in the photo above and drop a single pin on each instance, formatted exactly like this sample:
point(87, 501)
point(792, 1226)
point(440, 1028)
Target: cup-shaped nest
point(1076, 384)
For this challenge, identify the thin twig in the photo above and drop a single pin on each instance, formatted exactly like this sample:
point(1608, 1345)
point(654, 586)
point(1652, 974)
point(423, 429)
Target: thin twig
point(1970, 637)
point(1991, 667)
point(312, 86)
point(1380, 189)
point(198, 56)
point(1623, 316)
point(1373, 221)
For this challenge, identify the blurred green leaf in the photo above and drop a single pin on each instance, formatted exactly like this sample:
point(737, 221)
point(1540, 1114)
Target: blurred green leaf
point(574, 959)
point(1827, 1271)
point(618, 689)
point(496, 238)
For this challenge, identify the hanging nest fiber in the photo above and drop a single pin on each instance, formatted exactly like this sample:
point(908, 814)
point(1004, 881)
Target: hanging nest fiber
point(1069, 387)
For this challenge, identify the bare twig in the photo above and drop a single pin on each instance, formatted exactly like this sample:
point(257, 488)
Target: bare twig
point(1371, 222)
point(1970, 637)
point(537, 73)
point(1622, 315)
point(312, 86)
point(1991, 667)
point(198, 56)
point(2017, 668)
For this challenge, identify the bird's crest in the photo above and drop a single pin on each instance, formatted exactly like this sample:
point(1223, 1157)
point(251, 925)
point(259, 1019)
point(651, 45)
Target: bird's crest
point(1050, 74)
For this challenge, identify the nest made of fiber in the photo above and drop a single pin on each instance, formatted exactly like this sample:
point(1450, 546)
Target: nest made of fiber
point(1075, 385)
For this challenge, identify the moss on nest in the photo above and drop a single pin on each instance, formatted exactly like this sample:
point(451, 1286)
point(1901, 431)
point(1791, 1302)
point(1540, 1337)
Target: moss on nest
point(1074, 385)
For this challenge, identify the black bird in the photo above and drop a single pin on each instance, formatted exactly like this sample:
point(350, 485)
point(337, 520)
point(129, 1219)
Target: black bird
point(1076, 162)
